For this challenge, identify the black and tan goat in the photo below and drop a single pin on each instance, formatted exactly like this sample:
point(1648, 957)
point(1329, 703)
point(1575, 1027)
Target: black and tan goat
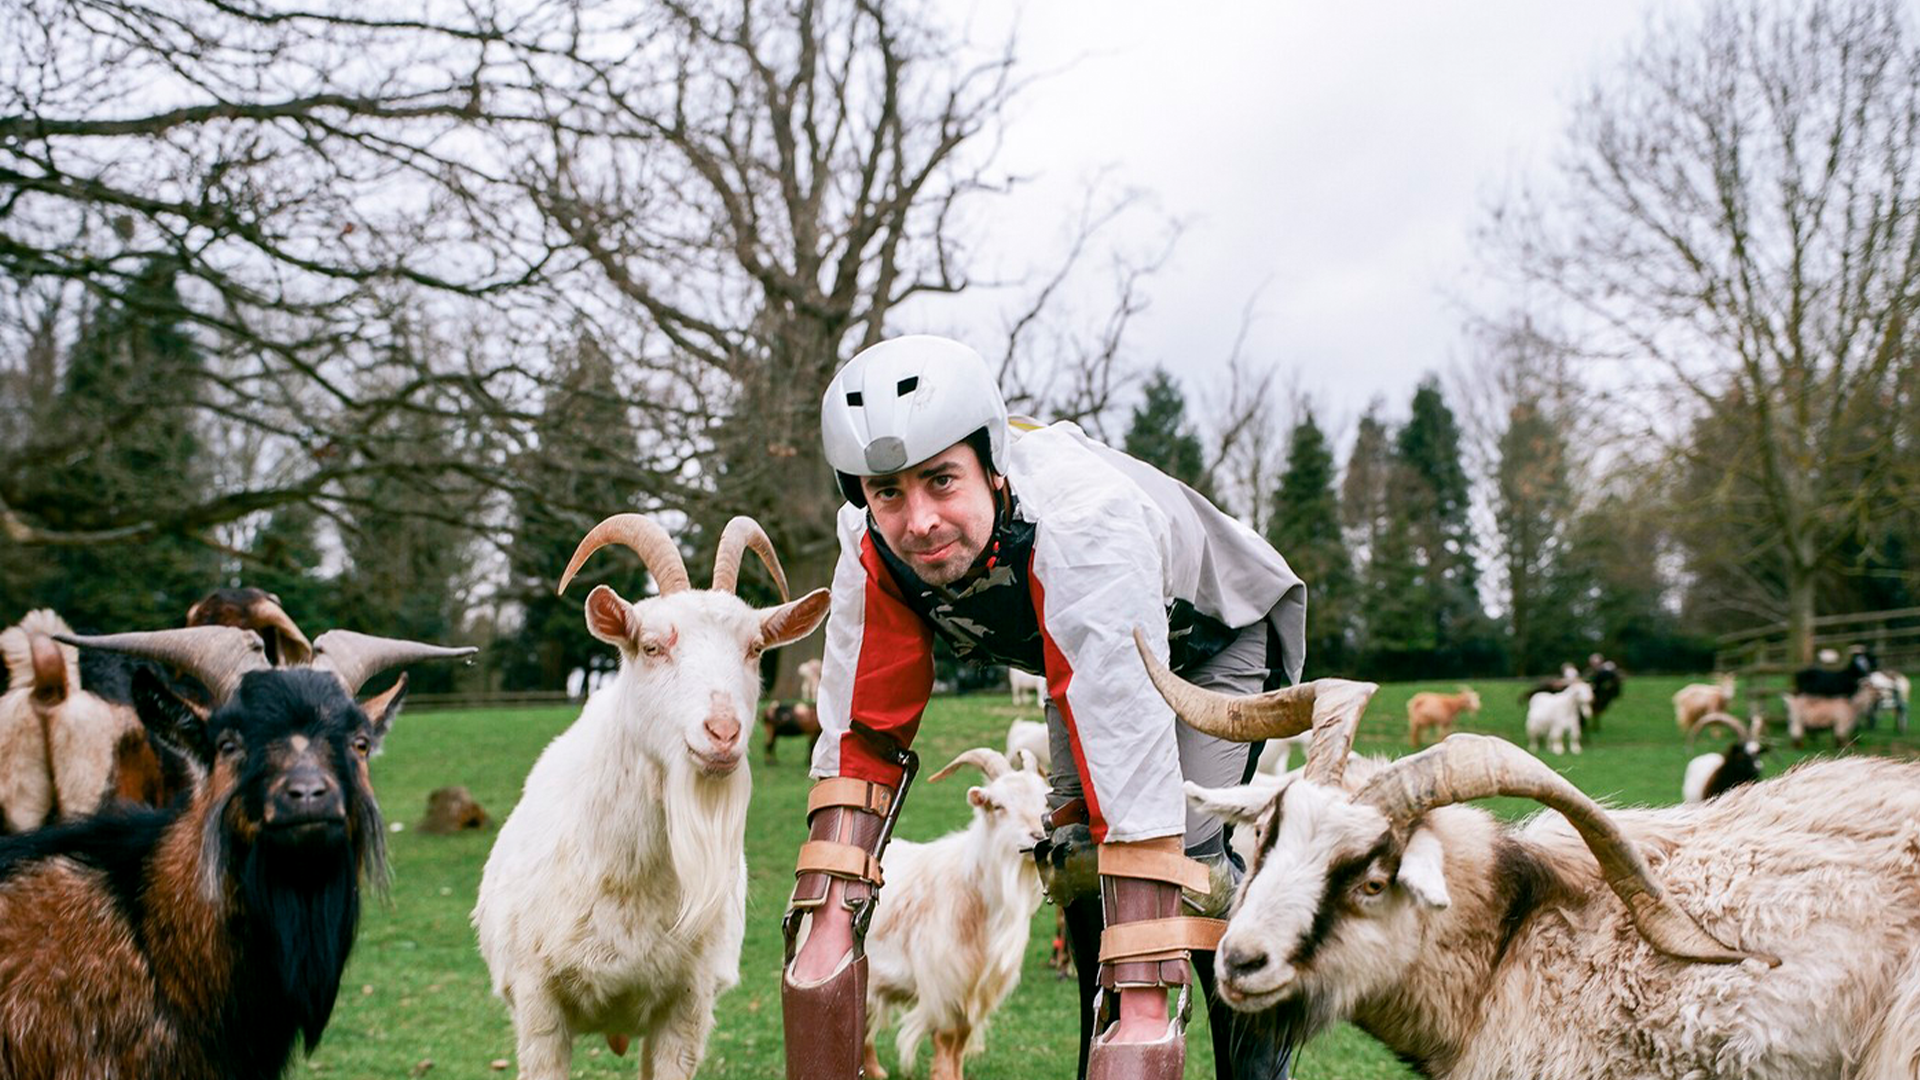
point(70, 741)
point(198, 940)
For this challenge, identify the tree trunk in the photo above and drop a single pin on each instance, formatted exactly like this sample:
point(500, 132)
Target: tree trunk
point(1800, 613)
point(810, 569)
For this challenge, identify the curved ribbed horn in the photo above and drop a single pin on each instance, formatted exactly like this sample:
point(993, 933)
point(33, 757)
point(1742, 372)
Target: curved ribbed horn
point(1330, 708)
point(1722, 719)
point(989, 761)
point(354, 658)
point(741, 533)
point(295, 649)
point(1463, 767)
point(647, 539)
point(216, 655)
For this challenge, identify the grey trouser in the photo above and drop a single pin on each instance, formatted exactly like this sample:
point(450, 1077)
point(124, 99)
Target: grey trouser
point(1240, 668)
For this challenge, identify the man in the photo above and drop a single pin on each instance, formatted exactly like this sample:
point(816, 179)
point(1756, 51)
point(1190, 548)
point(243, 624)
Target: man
point(1044, 550)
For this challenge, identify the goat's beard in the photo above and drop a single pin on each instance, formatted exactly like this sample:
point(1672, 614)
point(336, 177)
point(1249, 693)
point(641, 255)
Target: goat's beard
point(706, 834)
point(1262, 1044)
point(304, 904)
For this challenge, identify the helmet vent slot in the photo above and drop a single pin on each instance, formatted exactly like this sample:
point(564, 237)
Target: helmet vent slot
point(907, 385)
point(854, 399)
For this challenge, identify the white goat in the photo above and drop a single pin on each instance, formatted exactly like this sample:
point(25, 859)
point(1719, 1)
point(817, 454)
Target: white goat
point(59, 744)
point(1277, 754)
point(1695, 700)
point(1891, 690)
point(1686, 941)
point(1026, 687)
point(809, 672)
point(1556, 717)
point(1840, 715)
point(953, 919)
point(1031, 736)
point(614, 899)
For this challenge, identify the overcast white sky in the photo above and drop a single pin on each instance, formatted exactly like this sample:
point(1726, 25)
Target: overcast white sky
point(1332, 157)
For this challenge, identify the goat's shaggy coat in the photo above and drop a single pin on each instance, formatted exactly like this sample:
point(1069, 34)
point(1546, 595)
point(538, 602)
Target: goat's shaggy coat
point(1499, 953)
point(61, 746)
point(614, 900)
point(1438, 712)
point(198, 941)
point(1555, 718)
point(1695, 700)
point(952, 924)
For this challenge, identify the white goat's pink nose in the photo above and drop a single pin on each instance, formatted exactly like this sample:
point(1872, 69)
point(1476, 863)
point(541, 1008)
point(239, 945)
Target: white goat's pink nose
point(723, 724)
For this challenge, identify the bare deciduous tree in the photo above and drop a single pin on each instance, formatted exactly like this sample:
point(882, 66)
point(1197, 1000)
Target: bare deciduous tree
point(1740, 206)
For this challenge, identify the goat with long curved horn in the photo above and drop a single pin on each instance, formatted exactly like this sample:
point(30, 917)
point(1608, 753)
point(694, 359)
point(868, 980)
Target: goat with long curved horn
point(741, 533)
point(990, 762)
point(219, 656)
point(1712, 719)
point(354, 658)
point(646, 538)
point(1465, 767)
point(294, 647)
point(1330, 708)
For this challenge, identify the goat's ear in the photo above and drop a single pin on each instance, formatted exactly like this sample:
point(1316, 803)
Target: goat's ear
point(1423, 869)
point(1243, 805)
point(792, 621)
point(382, 708)
point(611, 619)
point(980, 799)
point(49, 671)
point(1024, 758)
point(171, 719)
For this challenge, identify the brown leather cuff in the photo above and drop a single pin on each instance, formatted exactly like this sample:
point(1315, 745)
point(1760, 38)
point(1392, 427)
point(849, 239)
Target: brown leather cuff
point(840, 842)
point(1132, 900)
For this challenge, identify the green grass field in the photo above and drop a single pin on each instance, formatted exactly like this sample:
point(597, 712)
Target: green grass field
point(417, 993)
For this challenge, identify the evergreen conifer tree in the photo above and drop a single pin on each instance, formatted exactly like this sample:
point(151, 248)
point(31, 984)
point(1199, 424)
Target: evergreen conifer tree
point(1160, 435)
point(1305, 527)
point(128, 414)
point(579, 473)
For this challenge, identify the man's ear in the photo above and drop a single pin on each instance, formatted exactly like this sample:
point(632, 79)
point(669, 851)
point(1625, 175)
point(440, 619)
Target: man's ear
point(611, 619)
point(1423, 868)
point(1243, 805)
point(792, 621)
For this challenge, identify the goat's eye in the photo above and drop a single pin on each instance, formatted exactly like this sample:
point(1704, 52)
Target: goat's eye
point(651, 648)
point(754, 650)
point(228, 745)
point(1373, 886)
point(362, 745)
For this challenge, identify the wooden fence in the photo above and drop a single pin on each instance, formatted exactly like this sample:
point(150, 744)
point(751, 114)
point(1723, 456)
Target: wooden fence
point(498, 699)
point(1763, 659)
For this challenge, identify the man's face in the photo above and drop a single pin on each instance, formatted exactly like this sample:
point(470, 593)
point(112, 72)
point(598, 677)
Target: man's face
point(937, 515)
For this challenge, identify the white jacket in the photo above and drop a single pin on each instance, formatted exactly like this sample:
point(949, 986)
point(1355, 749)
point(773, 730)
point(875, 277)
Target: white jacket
point(1116, 543)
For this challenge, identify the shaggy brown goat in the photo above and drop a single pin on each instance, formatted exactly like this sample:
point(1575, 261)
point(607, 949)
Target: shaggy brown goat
point(197, 941)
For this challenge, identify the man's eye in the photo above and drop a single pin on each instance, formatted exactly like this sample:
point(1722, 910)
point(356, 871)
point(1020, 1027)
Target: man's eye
point(943, 482)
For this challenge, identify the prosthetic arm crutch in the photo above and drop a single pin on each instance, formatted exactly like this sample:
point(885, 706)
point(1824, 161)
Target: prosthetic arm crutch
point(849, 822)
point(1146, 945)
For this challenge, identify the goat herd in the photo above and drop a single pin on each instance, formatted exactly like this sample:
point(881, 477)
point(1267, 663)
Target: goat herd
point(190, 823)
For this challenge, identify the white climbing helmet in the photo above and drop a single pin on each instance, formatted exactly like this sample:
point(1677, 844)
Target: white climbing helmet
point(901, 402)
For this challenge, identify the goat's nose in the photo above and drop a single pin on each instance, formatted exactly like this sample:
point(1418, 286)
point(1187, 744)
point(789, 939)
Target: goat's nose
point(723, 722)
point(308, 792)
point(1241, 961)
